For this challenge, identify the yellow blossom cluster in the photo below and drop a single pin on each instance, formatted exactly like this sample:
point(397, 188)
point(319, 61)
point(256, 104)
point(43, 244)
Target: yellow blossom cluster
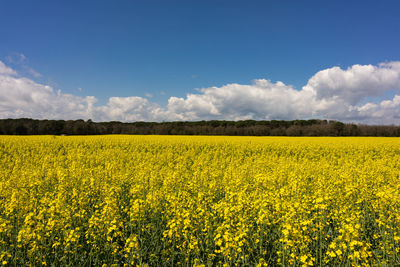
point(199, 201)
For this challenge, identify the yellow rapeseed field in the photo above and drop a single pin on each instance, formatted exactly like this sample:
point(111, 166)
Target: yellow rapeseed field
point(199, 201)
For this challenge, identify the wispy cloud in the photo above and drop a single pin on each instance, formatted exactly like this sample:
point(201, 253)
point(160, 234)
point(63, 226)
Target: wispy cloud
point(20, 60)
point(332, 93)
point(16, 58)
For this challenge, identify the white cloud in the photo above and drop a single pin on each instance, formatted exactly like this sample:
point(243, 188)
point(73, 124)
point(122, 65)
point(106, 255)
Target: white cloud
point(260, 100)
point(332, 93)
point(385, 112)
point(132, 108)
point(356, 83)
point(22, 97)
point(4, 70)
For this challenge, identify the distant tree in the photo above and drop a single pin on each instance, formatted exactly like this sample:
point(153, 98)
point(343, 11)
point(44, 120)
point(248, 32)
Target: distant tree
point(337, 128)
point(246, 127)
point(21, 130)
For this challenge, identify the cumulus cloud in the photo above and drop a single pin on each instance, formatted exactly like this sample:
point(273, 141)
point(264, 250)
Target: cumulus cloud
point(132, 108)
point(355, 83)
point(332, 93)
point(4, 70)
point(22, 97)
point(385, 112)
point(262, 99)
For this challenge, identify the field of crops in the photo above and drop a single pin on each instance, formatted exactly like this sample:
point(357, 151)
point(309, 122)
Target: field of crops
point(210, 201)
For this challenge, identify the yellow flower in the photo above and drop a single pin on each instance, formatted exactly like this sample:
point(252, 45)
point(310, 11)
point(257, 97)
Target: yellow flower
point(304, 258)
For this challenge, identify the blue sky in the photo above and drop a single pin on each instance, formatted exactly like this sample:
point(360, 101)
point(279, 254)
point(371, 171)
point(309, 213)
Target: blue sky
point(168, 49)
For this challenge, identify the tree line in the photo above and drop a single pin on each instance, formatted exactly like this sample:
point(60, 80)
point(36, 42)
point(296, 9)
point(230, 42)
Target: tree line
point(314, 127)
